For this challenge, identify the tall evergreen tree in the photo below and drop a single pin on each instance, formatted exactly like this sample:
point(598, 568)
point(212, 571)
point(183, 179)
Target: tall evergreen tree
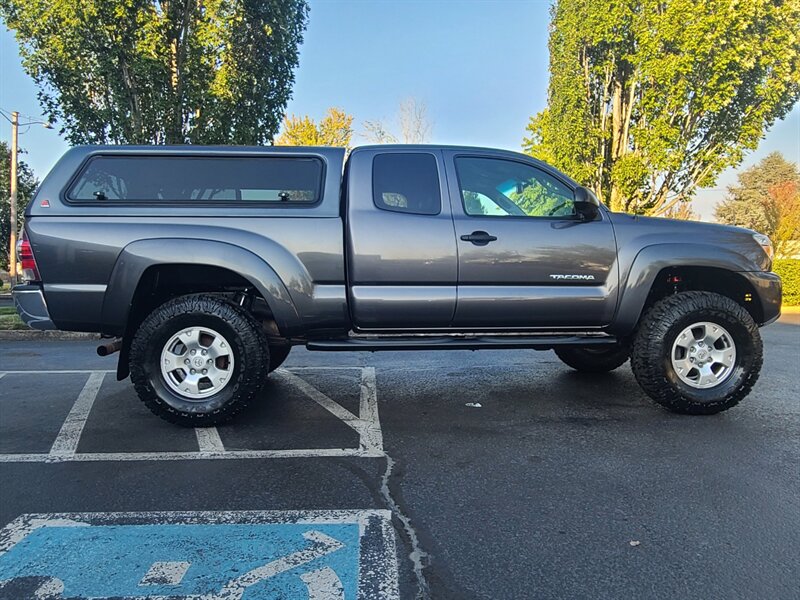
point(161, 71)
point(650, 99)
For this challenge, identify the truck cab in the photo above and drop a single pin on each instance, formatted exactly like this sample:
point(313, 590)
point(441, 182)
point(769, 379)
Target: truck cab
point(459, 239)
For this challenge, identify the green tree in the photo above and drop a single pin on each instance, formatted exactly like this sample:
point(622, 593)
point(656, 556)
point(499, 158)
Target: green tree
point(766, 200)
point(161, 71)
point(334, 129)
point(650, 99)
point(26, 186)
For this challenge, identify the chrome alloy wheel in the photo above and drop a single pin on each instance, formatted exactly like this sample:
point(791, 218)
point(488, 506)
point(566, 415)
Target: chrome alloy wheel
point(703, 355)
point(197, 362)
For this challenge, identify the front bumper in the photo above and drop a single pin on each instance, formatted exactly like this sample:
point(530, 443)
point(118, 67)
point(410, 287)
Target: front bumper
point(31, 306)
point(768, 288)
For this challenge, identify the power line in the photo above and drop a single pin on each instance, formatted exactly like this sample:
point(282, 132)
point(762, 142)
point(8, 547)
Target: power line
point(6, 114)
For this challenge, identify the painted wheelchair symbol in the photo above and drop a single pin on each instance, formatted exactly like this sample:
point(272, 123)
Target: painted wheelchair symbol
point(200, 555)
point(322, 584)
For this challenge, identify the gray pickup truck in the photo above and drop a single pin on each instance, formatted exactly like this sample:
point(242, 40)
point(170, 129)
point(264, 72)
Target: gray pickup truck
point(203, 266)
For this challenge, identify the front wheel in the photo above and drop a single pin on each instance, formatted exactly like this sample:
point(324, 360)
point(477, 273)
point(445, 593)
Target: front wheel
point(697, 353)
point(198, 360)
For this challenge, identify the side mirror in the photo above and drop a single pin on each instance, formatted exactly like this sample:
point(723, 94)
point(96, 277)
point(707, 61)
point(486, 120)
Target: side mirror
point(587, 206)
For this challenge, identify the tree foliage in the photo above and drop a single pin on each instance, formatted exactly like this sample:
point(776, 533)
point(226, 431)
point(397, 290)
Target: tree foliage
point(334, 129)
point(683, 211)
point(767, 200)
point(650, 99)
point(789, 271)
point(161, 71)
point(413, 125)
point(26, 186)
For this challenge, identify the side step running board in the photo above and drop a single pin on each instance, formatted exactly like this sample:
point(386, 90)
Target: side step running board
point(537, 342)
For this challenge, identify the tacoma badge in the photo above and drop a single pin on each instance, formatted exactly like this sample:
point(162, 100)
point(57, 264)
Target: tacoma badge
point(571, 276)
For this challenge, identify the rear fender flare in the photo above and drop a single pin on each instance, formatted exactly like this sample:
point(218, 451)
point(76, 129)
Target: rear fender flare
point(138, 256)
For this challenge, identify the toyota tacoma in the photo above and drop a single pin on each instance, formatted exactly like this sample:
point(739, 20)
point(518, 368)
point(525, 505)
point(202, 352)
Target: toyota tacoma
point(203, 266)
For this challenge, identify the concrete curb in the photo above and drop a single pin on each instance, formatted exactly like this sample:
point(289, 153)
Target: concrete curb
point(32, 335)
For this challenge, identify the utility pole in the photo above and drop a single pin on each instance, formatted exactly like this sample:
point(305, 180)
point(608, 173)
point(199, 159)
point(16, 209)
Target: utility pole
point(12, 252)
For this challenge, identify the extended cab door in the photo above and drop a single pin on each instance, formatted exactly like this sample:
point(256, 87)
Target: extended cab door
point(525, 258)
point(401, 252)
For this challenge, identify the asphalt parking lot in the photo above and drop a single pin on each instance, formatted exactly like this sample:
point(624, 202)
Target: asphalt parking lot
point(458, 475)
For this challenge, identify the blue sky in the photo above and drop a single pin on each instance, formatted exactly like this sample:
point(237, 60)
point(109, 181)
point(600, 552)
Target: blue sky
point(480, 67)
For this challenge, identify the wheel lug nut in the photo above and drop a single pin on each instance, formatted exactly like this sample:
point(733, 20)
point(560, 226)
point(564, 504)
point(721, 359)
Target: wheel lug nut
point(186, 362)
point(194, 352)
point(209, 361)
point(205, 352)
point(205, 371)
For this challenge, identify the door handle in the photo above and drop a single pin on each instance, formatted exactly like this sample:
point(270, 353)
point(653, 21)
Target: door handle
point(479, 238)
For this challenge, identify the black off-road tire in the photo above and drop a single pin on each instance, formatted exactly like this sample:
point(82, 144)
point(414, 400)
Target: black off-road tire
point(278, 353)
point(248, 345)
point(594, 359)
point(656, 333)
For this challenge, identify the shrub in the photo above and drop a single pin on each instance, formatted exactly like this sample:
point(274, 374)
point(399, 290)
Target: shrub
point(789, 270)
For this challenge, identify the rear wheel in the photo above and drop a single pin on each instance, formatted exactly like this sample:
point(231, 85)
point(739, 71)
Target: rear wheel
point(697, 353)
point(198, 360)
point(593, 359)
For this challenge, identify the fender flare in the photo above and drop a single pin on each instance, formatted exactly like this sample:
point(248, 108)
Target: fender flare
point(138, 256)
point(651, 260)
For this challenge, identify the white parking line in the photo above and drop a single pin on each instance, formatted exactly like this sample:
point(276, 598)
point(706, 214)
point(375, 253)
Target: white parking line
point(208, 439)
point(210, 445)
point(66, 442)
point(156, 456)
point(57, 371)
point(322, 368)
point(365, 427)
point(309, 390)
point(371, 434)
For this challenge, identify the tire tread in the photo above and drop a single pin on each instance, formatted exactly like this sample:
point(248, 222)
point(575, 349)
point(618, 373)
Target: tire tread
point(647, 358)
point(252, 337)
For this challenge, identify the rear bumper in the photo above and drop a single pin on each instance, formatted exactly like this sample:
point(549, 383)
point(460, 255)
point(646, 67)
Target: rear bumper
point(768, 287)
point(31, 306)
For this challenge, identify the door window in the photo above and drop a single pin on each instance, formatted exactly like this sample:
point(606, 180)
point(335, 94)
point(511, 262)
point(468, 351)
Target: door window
point(494, 187)
point(406, 182)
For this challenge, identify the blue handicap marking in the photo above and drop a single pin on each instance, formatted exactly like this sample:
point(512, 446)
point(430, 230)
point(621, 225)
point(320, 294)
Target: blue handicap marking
point(322, 555)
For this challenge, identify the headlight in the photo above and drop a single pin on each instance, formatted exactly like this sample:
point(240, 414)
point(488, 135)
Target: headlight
point(764, 241)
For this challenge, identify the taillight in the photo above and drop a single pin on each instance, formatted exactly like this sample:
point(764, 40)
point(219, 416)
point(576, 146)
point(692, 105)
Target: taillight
point(29, 272)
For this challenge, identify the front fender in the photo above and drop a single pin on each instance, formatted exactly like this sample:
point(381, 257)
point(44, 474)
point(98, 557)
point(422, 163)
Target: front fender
point(137, 256)
point(651, 260)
